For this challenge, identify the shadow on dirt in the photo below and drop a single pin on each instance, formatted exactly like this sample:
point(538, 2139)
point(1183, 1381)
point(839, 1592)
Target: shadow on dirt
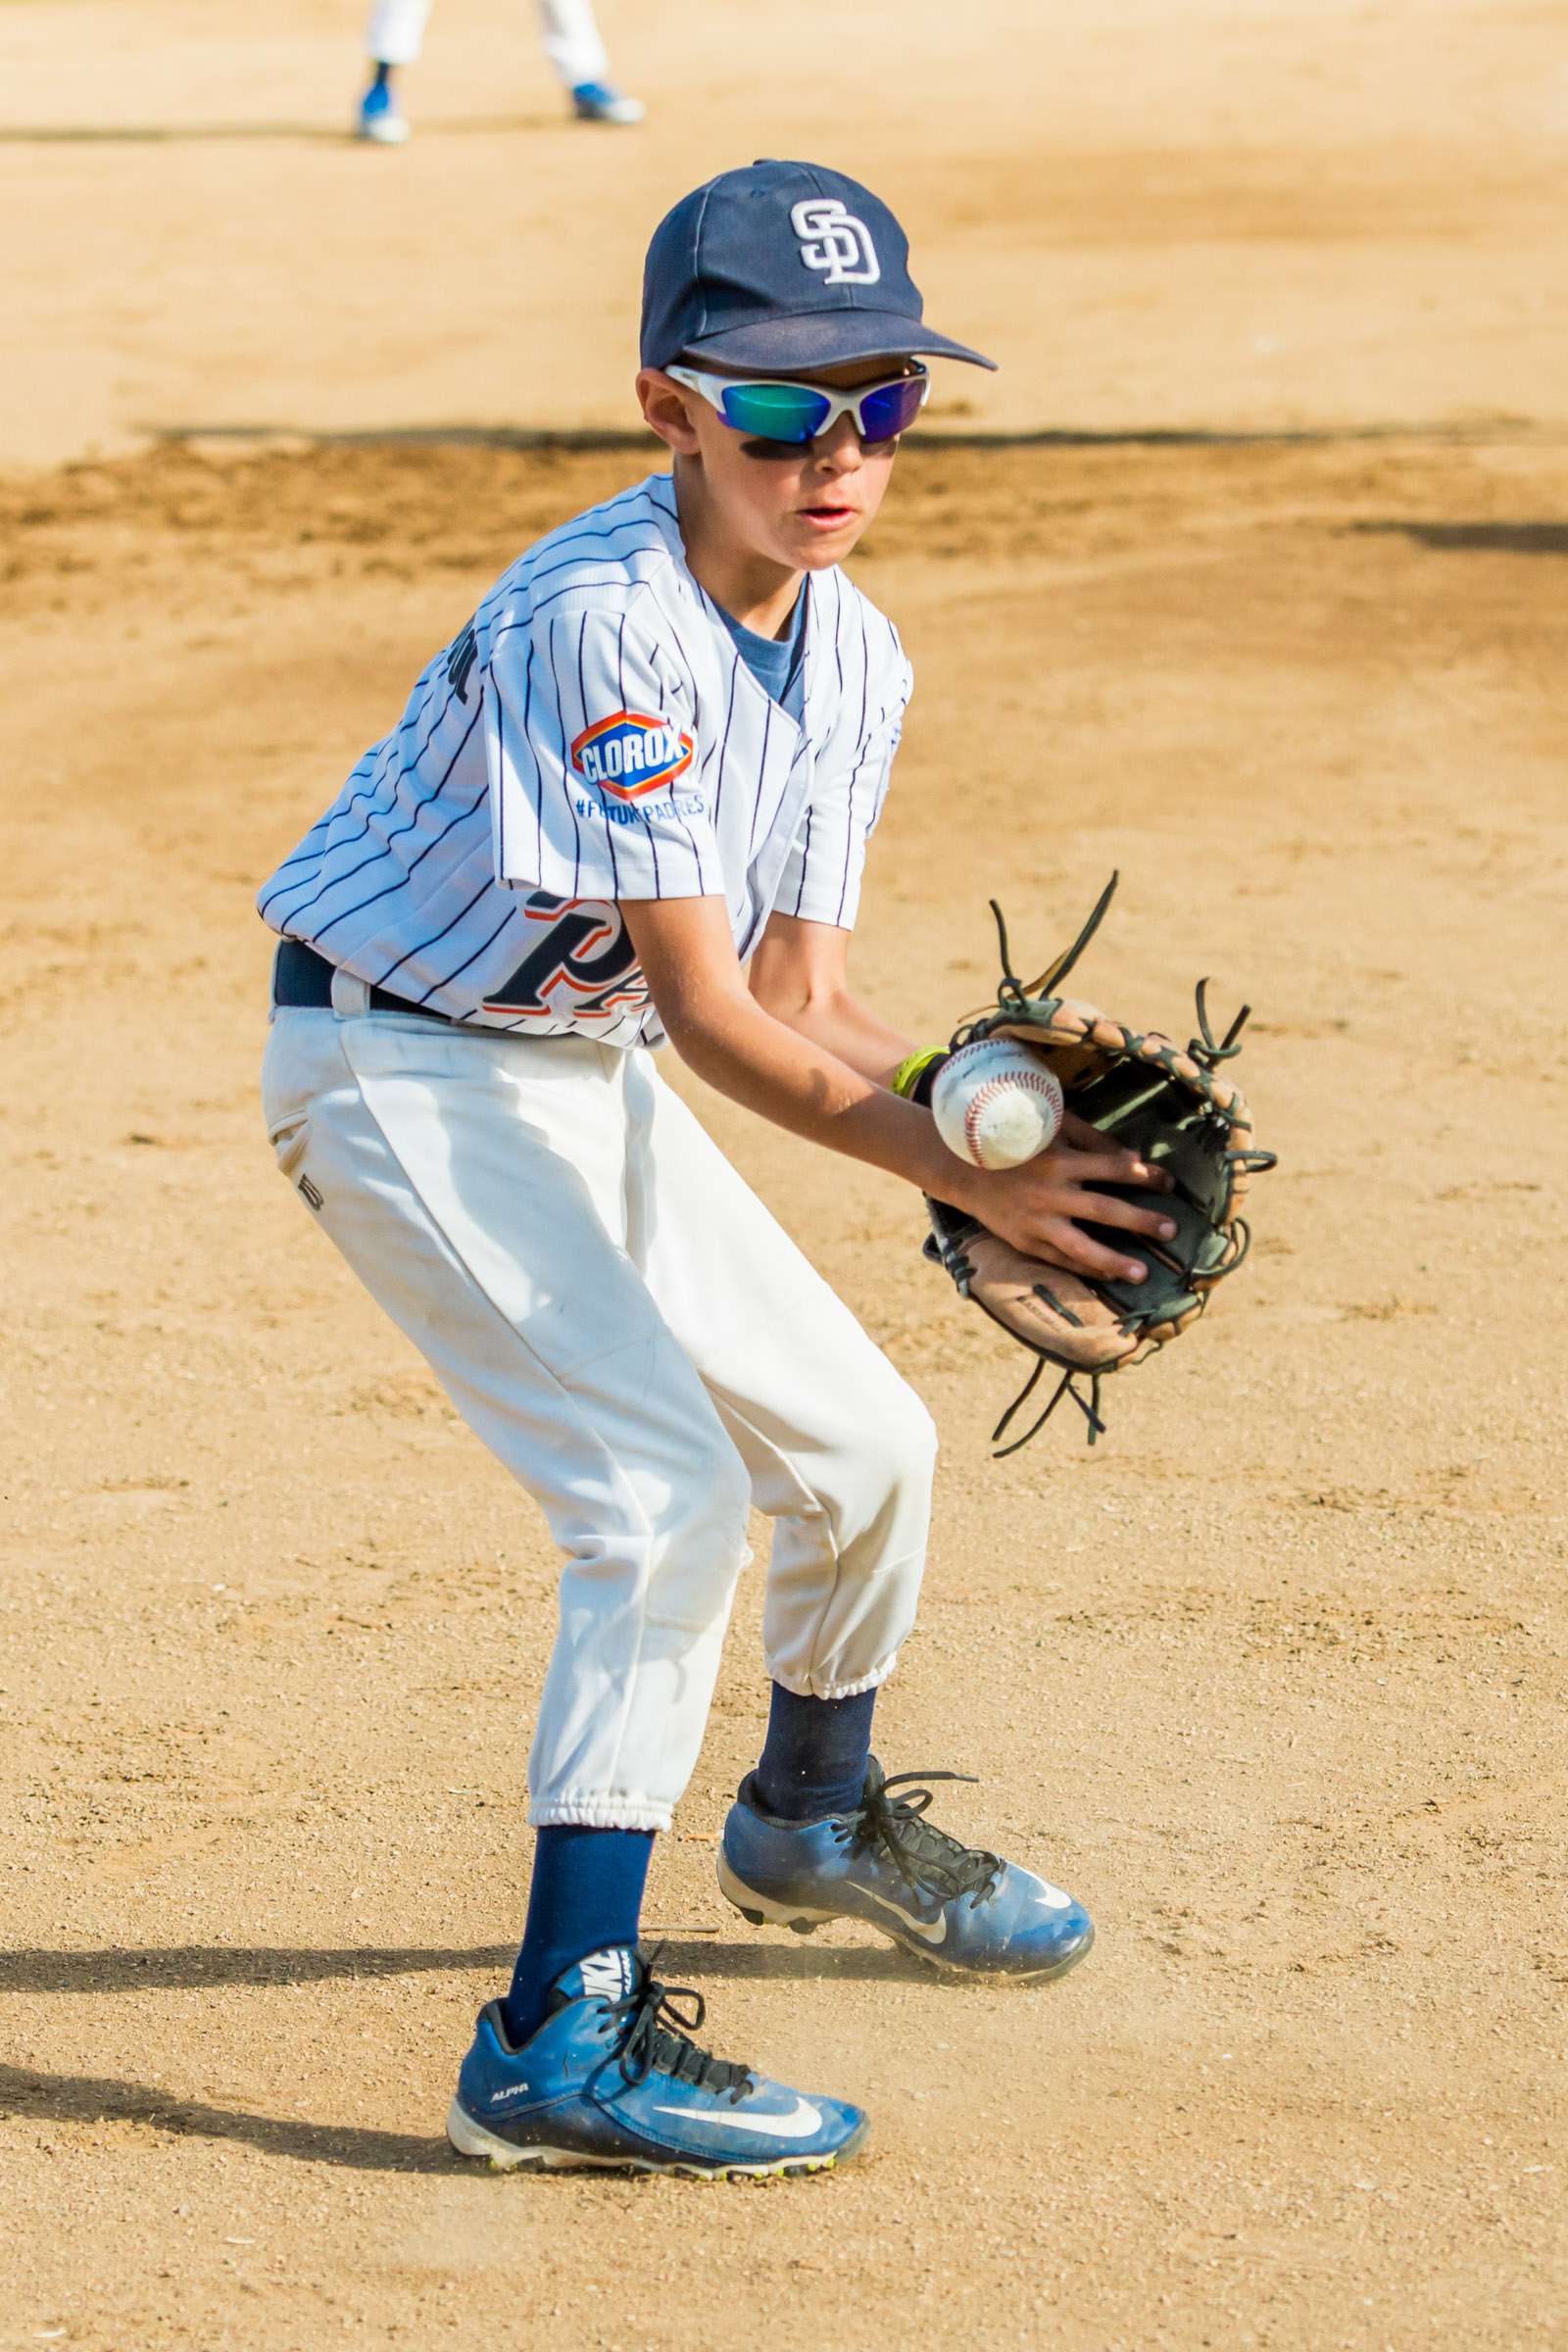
point(161, 134)
point(99, 2099)
point(187, 1967)
point(1490, 538)
point(594, 440)
point(28, 2092)
point(184, 1968)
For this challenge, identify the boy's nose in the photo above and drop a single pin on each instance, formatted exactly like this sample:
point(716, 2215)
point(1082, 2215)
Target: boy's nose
point(839, 448)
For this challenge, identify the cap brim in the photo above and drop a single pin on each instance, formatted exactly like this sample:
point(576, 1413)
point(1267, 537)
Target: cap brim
point(831, 339)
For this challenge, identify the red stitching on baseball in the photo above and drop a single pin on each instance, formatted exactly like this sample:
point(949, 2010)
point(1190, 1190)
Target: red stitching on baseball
point(1033, 1082)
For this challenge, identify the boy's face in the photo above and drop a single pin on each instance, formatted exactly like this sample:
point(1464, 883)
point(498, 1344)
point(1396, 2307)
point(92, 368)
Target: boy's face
point(803, 505)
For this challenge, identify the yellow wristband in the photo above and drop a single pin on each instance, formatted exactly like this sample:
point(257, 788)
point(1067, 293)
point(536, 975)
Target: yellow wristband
point(907, 1077)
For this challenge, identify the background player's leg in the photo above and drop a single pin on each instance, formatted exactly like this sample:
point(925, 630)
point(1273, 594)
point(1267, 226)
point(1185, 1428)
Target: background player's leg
point(393, 37)
point(395, 32)
point(575, 50)
point(572, 41)
point(840, 1450)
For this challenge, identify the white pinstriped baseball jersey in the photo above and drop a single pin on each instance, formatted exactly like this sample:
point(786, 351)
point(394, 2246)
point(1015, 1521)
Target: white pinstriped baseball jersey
point(593, 735)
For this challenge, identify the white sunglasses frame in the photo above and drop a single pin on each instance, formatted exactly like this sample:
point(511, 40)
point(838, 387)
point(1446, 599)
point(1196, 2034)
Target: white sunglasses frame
point(711, 388)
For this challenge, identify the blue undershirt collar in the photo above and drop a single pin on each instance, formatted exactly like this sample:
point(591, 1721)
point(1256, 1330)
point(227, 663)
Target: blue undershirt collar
point(777, 664)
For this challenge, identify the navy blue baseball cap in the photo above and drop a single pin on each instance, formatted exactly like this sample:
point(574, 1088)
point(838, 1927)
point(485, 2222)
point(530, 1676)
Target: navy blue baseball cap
point(784, 265)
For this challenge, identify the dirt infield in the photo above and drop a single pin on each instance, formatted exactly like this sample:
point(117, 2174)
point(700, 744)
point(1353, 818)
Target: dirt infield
point(1273, 1678)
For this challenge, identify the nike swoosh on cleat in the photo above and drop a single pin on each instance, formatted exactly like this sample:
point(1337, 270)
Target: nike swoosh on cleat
point(927, 1933)
point(805, 2119)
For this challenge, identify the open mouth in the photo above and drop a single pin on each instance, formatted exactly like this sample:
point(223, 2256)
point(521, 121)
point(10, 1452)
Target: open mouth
point(827, 516)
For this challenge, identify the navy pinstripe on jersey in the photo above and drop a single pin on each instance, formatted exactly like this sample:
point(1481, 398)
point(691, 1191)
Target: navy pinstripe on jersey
point(591, 735)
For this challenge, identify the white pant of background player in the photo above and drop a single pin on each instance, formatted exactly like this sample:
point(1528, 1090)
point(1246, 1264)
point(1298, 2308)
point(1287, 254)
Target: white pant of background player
point(618, 1316)
point(395, 35)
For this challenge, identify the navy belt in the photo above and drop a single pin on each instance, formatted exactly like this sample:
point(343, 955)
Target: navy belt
point(301, 978)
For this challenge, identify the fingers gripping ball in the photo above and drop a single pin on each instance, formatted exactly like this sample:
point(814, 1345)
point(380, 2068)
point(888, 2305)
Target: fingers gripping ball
point(996, 1104)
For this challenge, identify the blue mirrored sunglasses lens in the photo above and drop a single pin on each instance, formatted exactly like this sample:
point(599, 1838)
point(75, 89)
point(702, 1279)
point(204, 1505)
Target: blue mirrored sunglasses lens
point(891, 411)
point(775, 412)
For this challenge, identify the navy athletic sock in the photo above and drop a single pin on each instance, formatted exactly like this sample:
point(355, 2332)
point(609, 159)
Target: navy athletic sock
point(814, 1757)
point(383, 73)
point(586, 1892)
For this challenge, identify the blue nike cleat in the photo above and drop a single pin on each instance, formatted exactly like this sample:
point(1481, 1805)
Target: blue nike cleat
point(610, 2080)
point(597, 102)
point(380, 118)
point(963, 1909)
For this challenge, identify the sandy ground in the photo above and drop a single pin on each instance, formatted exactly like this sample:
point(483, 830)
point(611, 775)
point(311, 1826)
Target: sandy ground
point(1273, 1678)
point(1157, 212)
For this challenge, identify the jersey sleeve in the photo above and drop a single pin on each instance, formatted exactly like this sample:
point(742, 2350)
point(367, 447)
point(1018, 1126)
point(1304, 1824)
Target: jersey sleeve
point(590, 742)
point(822, 874)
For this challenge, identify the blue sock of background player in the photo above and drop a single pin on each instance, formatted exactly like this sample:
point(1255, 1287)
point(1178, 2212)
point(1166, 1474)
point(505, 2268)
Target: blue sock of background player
point(587, 1887)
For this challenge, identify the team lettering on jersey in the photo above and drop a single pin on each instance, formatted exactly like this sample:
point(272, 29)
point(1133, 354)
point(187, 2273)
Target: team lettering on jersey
point(631, 753)
point(461, 655)
point(584, 966)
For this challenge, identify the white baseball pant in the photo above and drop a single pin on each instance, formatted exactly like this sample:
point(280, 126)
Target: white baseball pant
point(615, 1312)
point(395, 35)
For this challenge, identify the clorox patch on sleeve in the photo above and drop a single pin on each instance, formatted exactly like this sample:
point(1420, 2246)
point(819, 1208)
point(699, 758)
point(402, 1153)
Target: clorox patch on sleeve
point(631, 753)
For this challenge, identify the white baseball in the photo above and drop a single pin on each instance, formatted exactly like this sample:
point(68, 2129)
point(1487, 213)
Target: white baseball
point(996, 1104)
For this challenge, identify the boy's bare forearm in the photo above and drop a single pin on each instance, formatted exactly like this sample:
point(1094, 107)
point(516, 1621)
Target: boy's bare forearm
point(810, 1074)
point(778, 1068)
point(784, 1046)
point(851, 1032)
point(797, 976)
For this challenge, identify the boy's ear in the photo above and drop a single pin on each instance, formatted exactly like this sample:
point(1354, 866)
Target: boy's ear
point(666, 409)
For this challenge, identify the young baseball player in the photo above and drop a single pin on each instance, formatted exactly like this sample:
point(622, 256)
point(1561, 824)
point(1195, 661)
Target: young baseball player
point(632, 801)
point(395, 35)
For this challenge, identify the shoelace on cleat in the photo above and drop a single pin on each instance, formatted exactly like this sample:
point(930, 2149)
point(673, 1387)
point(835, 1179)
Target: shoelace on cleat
point(928, 1860)
point(658, 2040)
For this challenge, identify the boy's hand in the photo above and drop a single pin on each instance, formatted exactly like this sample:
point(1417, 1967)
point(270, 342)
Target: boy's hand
point(1036, 1206)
